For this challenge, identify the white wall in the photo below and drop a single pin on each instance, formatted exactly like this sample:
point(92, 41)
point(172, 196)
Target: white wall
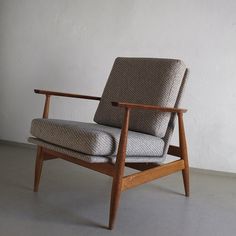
point(70, 45)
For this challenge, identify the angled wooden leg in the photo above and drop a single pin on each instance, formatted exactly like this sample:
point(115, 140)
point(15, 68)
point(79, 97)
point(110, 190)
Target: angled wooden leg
point(115, 199)
point(184, 154)
point(39, 157)
point(119, 170)
point(38, 168)
point(185, 174)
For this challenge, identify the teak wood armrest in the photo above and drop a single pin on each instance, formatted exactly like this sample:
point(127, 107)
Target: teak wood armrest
point(148, 107)
point(48, 94)
point(71, 95)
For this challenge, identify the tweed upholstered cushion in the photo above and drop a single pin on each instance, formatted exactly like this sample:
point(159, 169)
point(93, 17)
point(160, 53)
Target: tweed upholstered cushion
point(146, 81)
point(94, 159)
point(171, 125)
point(94, 139)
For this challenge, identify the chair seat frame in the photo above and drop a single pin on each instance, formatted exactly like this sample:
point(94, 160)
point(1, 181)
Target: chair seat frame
point(147, 171)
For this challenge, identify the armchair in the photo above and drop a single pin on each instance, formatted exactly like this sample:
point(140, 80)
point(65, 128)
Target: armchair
point(134, 125)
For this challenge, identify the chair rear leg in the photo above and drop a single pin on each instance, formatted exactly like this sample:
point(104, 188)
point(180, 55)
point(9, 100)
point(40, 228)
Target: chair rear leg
point(184, 153)
point(38, 168)
point(185, 174)
point(185, 171)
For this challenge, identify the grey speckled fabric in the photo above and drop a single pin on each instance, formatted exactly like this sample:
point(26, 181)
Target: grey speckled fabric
point(94, 139)
point(94, 159)
point(171, 125)
point(150, 81)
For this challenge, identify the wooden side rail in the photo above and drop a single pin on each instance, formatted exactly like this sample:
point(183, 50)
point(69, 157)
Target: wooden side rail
point(145, 176)
point(174, 151)
point(141, 166)
point(105, 168)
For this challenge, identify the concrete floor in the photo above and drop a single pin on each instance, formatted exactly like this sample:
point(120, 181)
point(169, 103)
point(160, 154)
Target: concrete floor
point(75, 201)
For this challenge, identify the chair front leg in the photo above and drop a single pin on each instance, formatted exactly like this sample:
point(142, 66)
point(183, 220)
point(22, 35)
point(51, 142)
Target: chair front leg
point(184, 154)
point(119, 170)
point(38, 168)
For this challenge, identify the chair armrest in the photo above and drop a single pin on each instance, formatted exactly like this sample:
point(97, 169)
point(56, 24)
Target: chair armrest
point(49, 93)
point(148, 107)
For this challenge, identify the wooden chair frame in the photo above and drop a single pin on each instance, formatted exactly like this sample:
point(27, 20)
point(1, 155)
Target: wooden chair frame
point(147, 171)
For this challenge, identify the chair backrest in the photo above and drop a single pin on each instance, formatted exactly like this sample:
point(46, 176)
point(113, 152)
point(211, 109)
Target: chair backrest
point(151, 81)
point(171, 125)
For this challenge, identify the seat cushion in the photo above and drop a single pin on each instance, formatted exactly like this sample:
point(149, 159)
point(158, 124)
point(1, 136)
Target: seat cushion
point(95, 159)
point(149, 81)
point(94, 139)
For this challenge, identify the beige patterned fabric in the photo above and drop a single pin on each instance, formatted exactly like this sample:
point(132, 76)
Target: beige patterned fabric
point(171, 125)
point(141, 80)
point(94, 139)
point(94, 159)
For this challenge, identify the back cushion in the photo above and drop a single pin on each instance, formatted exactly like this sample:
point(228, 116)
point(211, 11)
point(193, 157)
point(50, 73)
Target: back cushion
point(150, 81)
